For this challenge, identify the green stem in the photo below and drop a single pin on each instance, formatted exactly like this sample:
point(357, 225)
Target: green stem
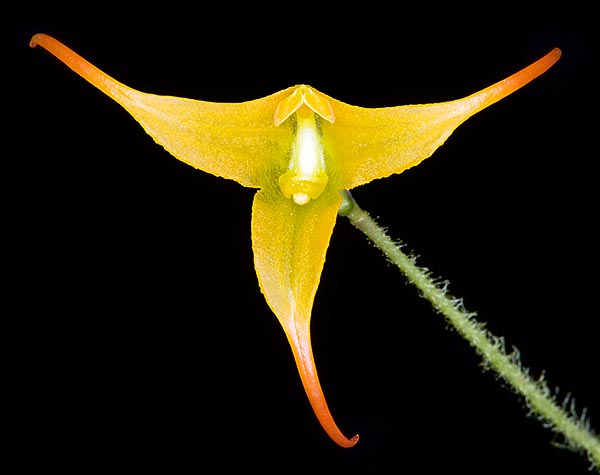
point(560, 418)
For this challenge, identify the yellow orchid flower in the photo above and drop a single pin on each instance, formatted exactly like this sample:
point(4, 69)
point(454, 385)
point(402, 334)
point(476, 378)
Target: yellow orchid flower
point(300, 148)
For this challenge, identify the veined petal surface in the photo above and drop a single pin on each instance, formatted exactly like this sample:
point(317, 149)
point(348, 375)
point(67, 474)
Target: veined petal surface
point(367, 144)
point(232, 140)
point(290, 242)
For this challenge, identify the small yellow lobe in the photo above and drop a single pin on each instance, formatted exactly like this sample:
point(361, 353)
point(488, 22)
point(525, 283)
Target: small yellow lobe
point(304, 95)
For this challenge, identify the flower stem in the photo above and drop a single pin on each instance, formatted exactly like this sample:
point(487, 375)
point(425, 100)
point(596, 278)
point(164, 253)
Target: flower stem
point(561, 418)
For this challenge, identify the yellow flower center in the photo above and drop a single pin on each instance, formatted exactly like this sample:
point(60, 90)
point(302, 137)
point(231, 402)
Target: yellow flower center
point(306, 178)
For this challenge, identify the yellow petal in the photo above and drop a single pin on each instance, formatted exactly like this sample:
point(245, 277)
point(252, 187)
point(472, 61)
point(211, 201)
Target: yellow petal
point(233, 140)
point(290, 242)
point(374, 143)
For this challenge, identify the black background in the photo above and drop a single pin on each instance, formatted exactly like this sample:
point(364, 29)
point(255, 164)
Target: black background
point(153, 347)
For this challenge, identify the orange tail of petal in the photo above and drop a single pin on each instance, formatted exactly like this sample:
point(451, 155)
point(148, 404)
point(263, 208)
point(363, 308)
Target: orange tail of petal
point(507, 86)
point(299, 339)
point(111, 87)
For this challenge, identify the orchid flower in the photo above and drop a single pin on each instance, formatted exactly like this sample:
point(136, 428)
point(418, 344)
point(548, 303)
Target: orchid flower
point(300, 148)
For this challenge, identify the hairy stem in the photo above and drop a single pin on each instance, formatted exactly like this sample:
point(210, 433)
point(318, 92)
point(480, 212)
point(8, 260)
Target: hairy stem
point(561, 418)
